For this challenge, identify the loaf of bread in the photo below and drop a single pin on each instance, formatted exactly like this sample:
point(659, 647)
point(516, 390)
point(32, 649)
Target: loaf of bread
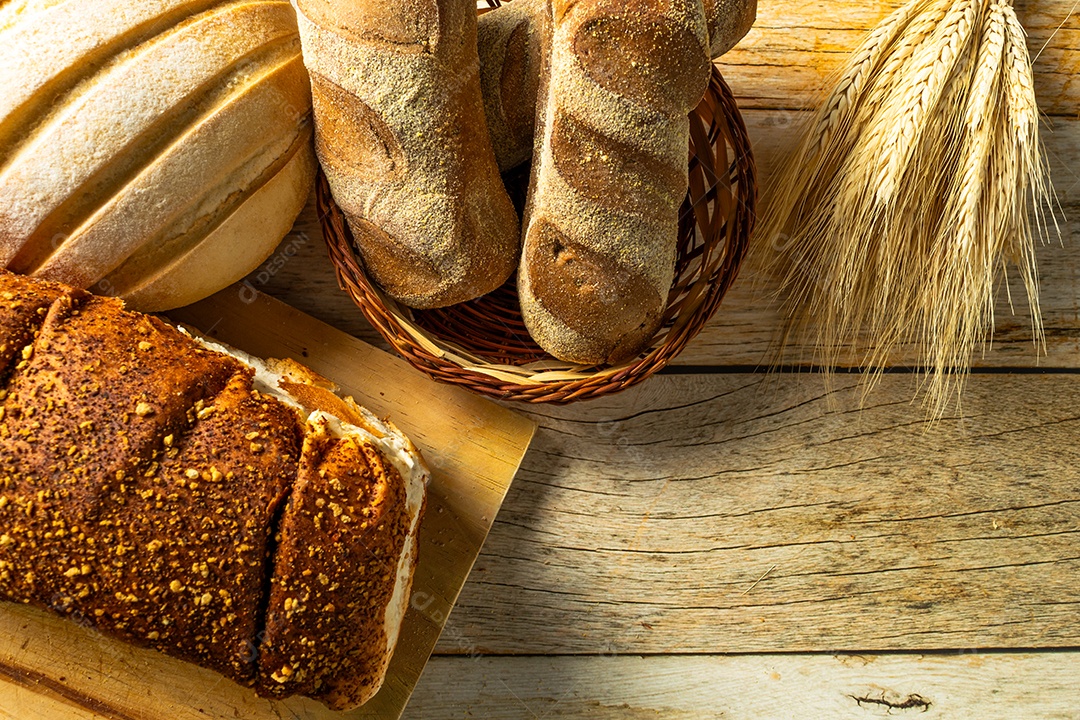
point(186, 497)
point(511, 41)
point(609, 173)
point(156, 151)
point(400, 132)
point(729, 21)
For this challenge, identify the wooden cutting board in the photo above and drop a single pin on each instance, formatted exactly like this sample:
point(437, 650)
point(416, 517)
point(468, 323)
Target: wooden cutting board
point(51, 668)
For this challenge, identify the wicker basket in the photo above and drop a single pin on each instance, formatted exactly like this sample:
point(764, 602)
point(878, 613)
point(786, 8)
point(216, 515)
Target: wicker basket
point(483, 344)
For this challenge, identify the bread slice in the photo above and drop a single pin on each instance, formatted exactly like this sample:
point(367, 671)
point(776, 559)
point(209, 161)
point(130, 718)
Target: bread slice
point(347, 545)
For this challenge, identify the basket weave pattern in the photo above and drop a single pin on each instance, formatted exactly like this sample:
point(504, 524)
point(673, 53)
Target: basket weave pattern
point(484, 345)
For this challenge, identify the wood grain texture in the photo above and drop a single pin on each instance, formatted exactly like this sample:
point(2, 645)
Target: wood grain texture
point(742, 513)
point(754, 687)
point(786, 60)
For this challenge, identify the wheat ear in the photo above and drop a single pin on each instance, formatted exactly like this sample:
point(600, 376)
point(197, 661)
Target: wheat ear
point(921, 89)
point(910, 192)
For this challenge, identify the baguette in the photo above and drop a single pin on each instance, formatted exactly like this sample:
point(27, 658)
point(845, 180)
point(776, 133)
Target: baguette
point(511, 40)
point(158, 486)
point(729, 21)
point(400, 133)
point(610, 174)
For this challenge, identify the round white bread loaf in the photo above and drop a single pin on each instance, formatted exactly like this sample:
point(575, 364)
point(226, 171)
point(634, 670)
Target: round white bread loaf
point(157, 150)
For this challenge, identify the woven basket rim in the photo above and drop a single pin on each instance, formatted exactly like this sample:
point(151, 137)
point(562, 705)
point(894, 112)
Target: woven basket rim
point(716, 125)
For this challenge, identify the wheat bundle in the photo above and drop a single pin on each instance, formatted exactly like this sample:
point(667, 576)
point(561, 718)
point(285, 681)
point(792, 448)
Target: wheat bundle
point(911, 193)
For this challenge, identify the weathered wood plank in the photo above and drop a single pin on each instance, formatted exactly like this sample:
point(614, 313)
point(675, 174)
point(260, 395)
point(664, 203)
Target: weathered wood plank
point(745, 329)
point(742, 513)
point(751, 687)
point(21, 703)
point(786, 59)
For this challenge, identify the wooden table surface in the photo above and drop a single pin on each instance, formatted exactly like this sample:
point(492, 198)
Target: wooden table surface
point(722, 542)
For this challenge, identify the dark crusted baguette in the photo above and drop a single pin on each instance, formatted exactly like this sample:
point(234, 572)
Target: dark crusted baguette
point(510, 40)
point(144, 476)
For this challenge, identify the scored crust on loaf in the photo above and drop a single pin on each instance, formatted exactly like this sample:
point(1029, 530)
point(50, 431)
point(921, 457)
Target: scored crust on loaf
point(134, 128)
point(511, 40)
point(146, 478)
point(335, 607)
point(114, 448)
point(166, 275)
point(234, 157)
point(399, 130)
point(601, 231)
point(23, 306)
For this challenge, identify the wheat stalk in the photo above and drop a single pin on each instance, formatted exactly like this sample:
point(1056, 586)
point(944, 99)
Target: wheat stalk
point(860, 68)
point(1032, 170)
point(829, 135)
point(909, 192)
point(920, 90)
point(959, 299)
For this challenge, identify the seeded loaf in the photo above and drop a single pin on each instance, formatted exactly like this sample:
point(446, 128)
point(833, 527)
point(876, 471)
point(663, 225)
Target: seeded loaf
point(511, 40)
point(150, 483)
point(609, 173)
point(400, 133)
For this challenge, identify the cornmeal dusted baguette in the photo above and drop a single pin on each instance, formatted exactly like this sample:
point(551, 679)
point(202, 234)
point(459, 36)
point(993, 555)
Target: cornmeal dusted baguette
point(144, 476)
point(610, 173)
point(400, 132)
point(729, 21)
point(511, 41)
